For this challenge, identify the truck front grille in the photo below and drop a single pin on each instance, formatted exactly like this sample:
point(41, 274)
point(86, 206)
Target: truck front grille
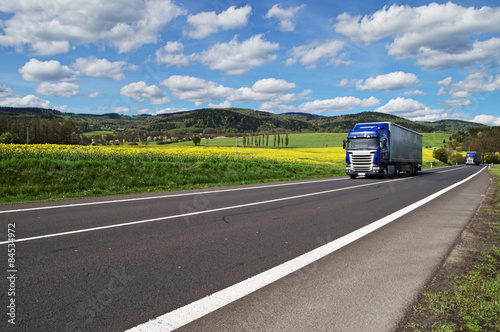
point(361, 162)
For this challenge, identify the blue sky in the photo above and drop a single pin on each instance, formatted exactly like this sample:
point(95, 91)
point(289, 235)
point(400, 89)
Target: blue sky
point(416, 59)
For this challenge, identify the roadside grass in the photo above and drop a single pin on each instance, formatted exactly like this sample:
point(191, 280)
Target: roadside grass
point(42, 178)
point(473, 301)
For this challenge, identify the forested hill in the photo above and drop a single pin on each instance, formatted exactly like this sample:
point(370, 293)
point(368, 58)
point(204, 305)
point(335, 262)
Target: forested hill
point(218, 121)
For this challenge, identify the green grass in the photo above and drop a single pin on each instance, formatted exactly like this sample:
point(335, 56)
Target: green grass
point(434, 139)
point(43, 179)
point(473, 303)
point(475, 297)
point(316, 140)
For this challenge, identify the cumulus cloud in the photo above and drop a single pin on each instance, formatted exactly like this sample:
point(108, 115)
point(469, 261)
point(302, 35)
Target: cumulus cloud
point(140, 91)
point(286, 17)
point(409, 108)
point(272, 85)
point(195, 89)
point(309, 55)
point(388, 82)
point(236, 58)
point(199, 91)
point(26, 101)
point(94, 67)
point(337, 104)
point(207, 23)
point(51, 26)
point(63, 89)
point(437, 35)
point(52, 70)
point(489, 120)
point(475, 82)
point(172, 55)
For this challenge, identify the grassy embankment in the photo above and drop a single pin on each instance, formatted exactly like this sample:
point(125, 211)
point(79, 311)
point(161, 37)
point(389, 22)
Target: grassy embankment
point(46, 172)
point(471, 301)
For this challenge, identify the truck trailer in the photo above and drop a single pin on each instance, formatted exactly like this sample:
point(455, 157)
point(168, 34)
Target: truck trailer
point(473, 158)
point(382, 149)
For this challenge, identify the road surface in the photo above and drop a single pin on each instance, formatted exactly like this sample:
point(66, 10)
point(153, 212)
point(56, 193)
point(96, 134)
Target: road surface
point(327, 255)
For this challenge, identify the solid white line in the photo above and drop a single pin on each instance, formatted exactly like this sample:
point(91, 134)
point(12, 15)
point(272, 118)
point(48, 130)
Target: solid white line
point(197, 212)
point(204, 306)
point(166, 196)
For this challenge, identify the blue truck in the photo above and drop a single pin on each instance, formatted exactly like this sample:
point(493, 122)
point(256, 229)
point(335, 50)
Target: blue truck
point(382, 149)
point(473, 158)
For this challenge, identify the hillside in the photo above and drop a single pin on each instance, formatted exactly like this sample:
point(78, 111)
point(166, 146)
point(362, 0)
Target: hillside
point(213, 121)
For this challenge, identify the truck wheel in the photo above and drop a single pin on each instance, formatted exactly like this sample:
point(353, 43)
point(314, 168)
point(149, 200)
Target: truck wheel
point(385, 174)
point(353, 176)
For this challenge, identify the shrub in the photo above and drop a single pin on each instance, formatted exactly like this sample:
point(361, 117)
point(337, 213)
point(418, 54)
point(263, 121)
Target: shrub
point(441, 154)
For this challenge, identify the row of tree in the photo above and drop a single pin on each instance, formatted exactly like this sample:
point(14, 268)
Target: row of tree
point(484, 140)
point(262, 140)
point(34, 130)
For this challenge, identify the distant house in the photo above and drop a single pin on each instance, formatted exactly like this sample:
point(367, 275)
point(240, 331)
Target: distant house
point(219, 137)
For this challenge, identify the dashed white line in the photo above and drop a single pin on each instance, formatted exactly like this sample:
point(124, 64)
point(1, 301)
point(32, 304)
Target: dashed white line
point(196, 212)
point(207, 192)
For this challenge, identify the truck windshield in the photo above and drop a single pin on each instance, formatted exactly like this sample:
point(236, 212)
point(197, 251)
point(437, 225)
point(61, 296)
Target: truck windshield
point(363, 143)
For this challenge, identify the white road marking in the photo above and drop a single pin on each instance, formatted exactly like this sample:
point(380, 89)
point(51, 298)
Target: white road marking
point(195, 310)
point(198, 212)
point(166, 196)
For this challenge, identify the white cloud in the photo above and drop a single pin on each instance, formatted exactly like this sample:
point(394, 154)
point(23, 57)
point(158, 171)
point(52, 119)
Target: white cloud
point(458, 102)
point(95, 94)
point(446, 82)
point(437, 35)
point(392, 81)
point(413, 93)
point(52, 70)
point(140, 91)
point(51, 26)
point(236, 58)
point(337, 104)
point(6, 92)
point(225, 104)
point(199, 91)
point(489, 120)
point(272, 85)
point(207, 23)
point(309, 55)
point(172, 55)
point(26, 101)
point(476, 81)
point(195, 89)
point(408, 108)
point(94, 67)
point(284, 16)
point(63, 89)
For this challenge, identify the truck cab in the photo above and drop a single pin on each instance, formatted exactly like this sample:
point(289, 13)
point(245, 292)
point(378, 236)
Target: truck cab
point(382, 149)
point(366, 147)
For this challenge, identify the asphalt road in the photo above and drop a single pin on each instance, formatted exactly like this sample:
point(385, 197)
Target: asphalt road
point(114, 263)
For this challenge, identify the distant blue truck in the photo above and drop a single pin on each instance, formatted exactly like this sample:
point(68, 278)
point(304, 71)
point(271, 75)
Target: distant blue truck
point(382, 149)
point(473, 158)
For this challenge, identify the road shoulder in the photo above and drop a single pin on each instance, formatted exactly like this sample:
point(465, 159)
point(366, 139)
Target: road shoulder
point(475, 240)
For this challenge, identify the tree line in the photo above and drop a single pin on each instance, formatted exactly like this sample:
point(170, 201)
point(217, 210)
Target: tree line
point(34, 130)
point(262, 140)
point(484, 140)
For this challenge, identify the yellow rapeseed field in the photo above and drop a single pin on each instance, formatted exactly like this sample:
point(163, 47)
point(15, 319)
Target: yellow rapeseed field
point(171, 153)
